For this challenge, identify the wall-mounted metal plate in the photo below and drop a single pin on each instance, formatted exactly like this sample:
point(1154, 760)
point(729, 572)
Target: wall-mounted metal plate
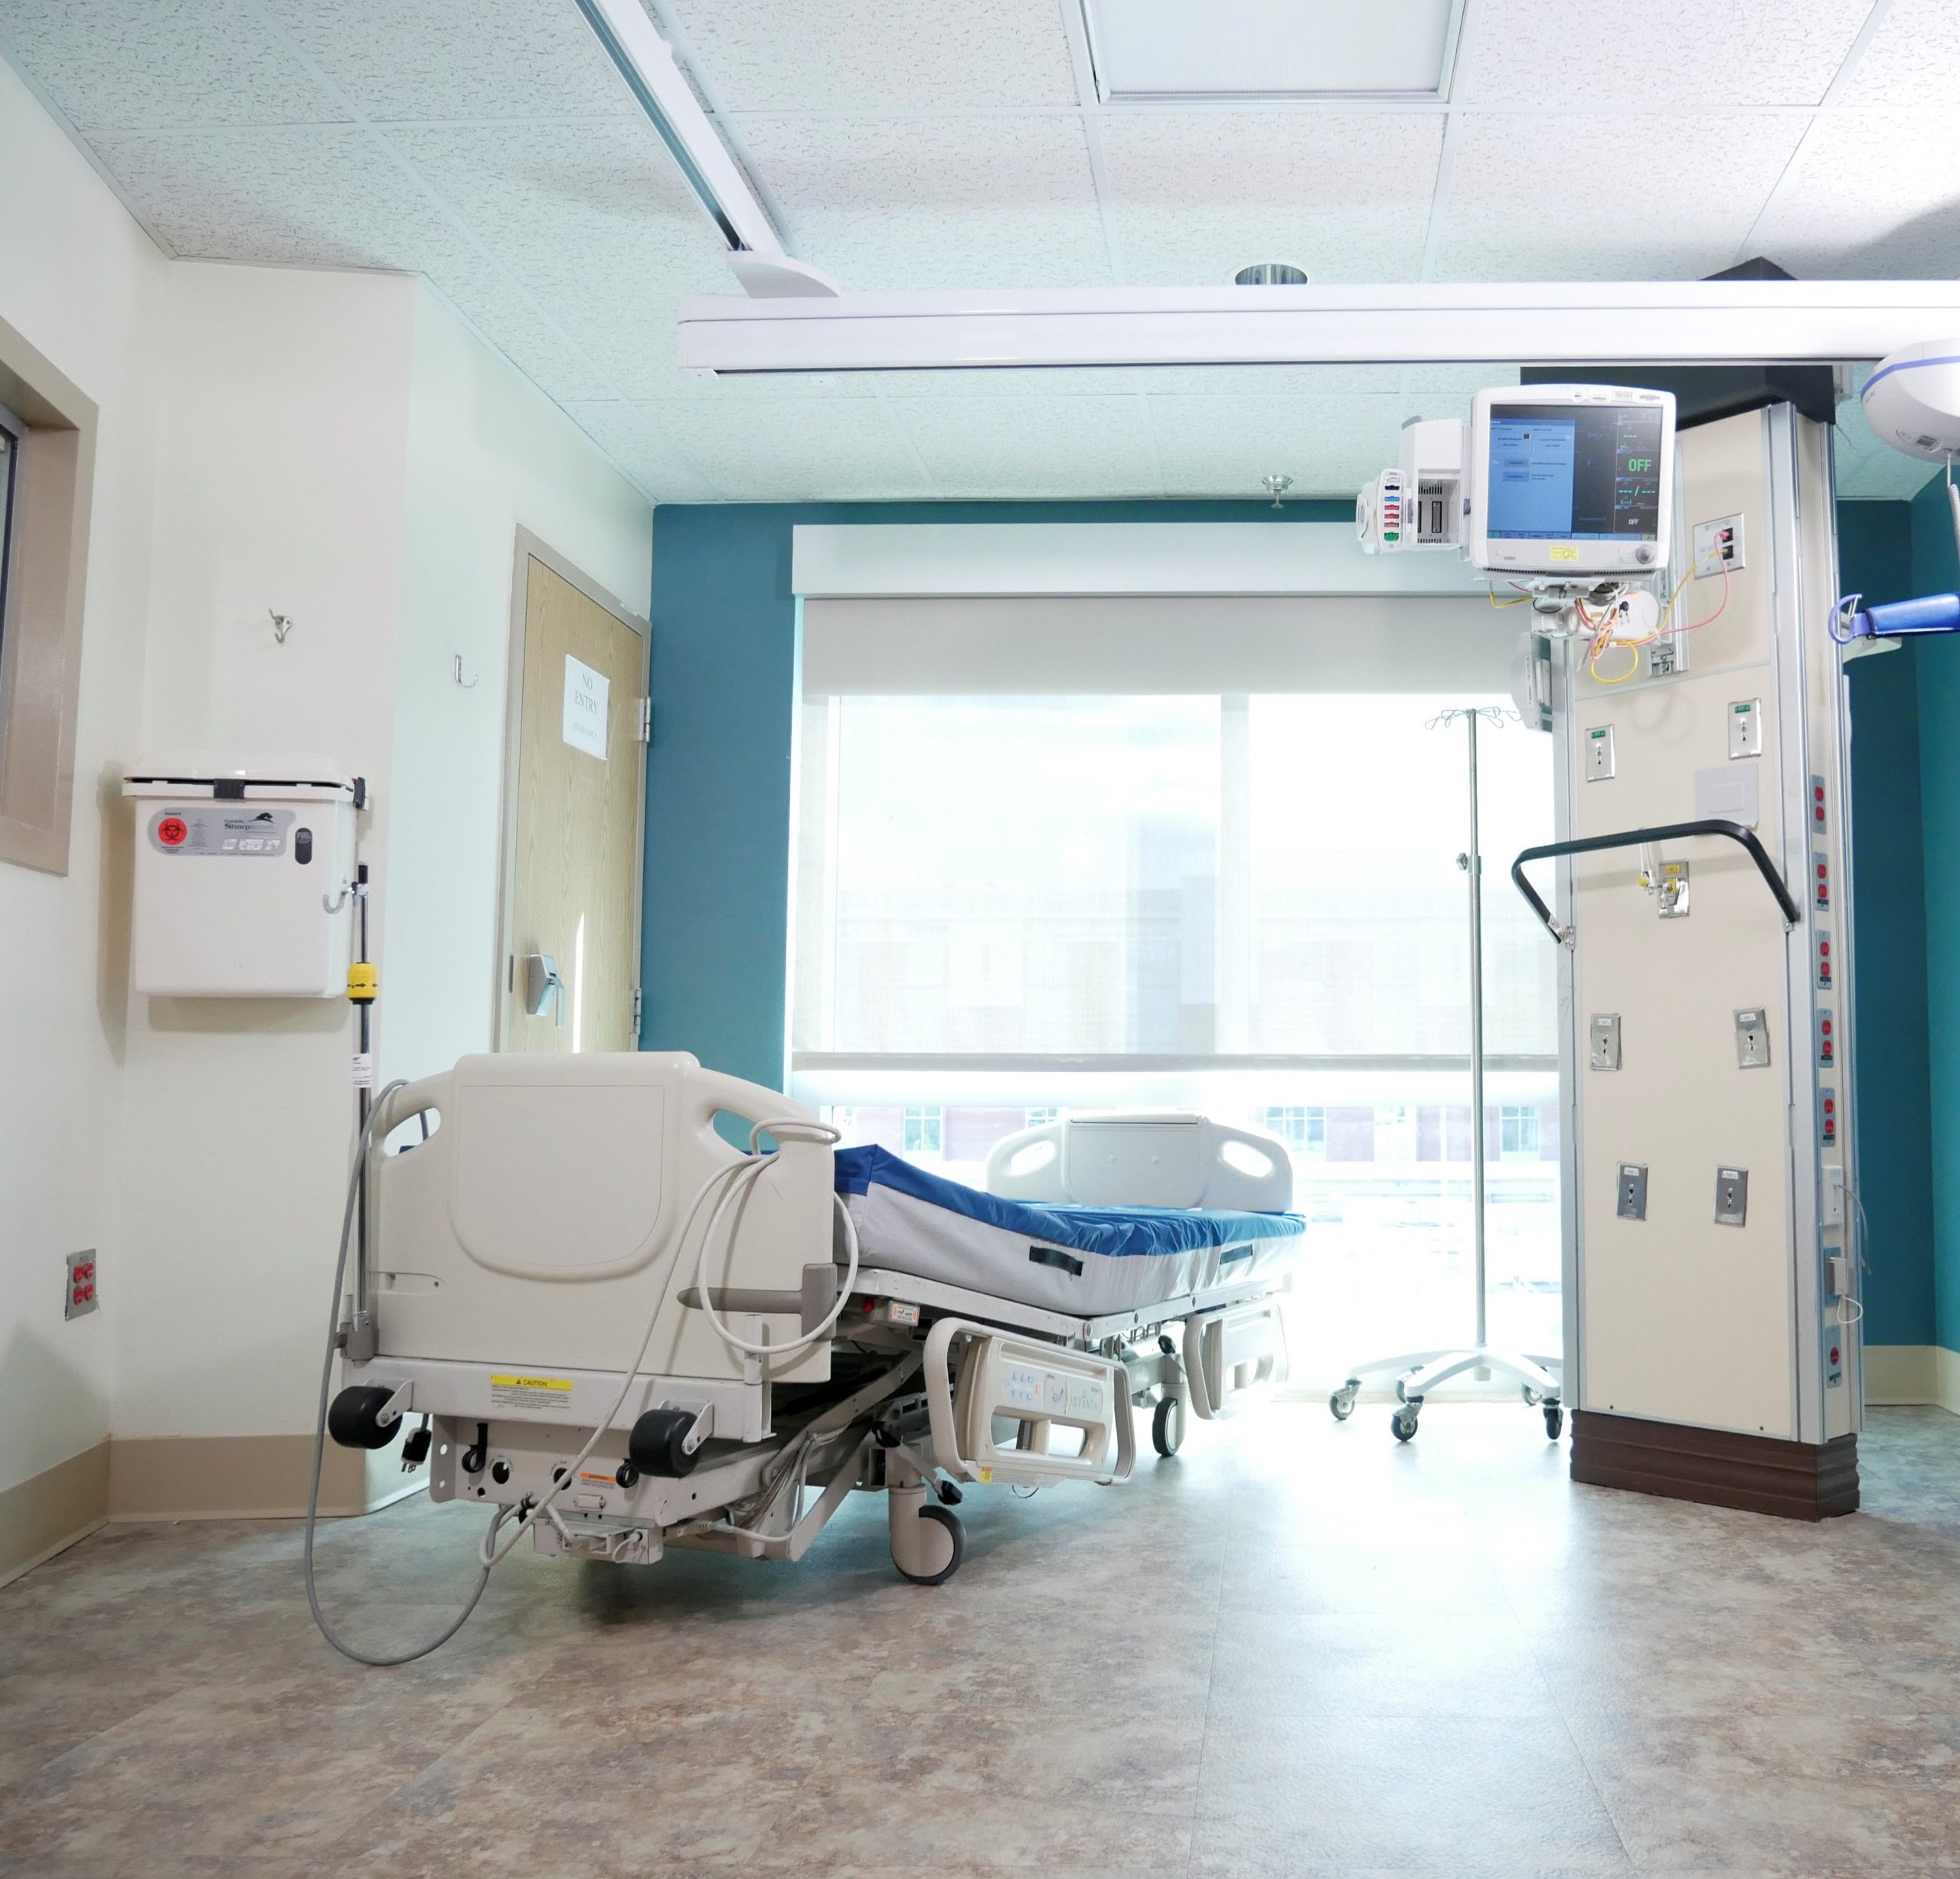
point(1671, 882)
point(1746, 728)
point(1605, 1033)
point(1827, 1039)
point(1752, 1039)
point(1826, 1116)
point(1632, 1201)
point(1818, 823)
point(81, 1297)
point(1599, 753)
point(1819, 880)
point(1731, 1196)
point(1823, 960)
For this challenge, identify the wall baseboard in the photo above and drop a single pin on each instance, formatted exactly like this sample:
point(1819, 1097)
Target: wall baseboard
point(239, 1478)
point(48, 1512)
point(1720, 1468)
point(1897, 1373)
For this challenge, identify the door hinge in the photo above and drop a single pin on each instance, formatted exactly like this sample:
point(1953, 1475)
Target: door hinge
point(636, 1014)
point(646, 721)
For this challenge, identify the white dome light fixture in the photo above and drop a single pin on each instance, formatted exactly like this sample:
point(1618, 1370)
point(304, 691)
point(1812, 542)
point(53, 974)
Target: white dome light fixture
point(1912, 401)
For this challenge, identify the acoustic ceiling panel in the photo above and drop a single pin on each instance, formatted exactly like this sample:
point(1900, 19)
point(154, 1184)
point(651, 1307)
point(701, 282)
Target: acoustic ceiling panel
point(1913, 60)
point(795, 450)
point(881, 55)
point(1199, 195)
point(1022, 448)
point(1605, 196)
point(1871, 193)
point(1690, 55)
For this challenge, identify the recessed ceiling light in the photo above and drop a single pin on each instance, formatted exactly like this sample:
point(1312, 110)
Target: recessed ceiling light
point(1270, 274)
point(1169, 51)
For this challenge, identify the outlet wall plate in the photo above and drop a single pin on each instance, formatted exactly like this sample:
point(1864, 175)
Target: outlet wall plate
point(1631, 1204)
point(1604, 1032)
point(1731, 1196)
point(1752, 1039)
point(1599, 753)
point(81, 1297)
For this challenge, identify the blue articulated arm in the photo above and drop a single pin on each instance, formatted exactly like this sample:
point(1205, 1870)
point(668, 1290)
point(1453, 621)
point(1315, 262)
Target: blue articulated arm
point(1896, 619)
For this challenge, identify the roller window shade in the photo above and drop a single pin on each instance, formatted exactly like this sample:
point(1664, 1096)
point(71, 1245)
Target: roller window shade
point(1104, 646)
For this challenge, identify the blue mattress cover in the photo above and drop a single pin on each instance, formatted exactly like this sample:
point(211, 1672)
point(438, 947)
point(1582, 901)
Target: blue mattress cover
point(1116, 1232)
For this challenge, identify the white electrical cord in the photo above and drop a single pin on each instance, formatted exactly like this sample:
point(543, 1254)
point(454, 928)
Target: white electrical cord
point(340, 1644)
point(745, 1173)
point(1859, 1264)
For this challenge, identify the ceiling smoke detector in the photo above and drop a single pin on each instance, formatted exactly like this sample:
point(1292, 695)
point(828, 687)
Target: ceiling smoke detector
point(1270, 274)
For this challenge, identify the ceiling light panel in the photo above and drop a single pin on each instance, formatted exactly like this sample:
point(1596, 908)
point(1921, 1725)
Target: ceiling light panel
point(1609, 196)
point(1695, 55)
point(418, 58)
point(1871, 195)
point(133, 64)
point(921, 202)
point(1149, 50)
point(876, 55)
point(1344, 194)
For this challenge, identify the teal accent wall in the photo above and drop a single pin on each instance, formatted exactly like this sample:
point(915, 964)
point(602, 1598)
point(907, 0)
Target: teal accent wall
point(1889, 955)
point(715, 945)
point(1936, 570)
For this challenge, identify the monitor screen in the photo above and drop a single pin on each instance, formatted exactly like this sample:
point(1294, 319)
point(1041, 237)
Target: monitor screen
point(1574, 473)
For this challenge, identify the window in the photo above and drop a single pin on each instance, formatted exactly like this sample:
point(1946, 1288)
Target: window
point(47, 468)
point(1302, 1129)
point(1038, 1119)
point(1244, 905)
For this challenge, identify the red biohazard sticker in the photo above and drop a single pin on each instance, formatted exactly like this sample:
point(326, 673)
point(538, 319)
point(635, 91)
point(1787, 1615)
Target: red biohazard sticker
point(172, 831)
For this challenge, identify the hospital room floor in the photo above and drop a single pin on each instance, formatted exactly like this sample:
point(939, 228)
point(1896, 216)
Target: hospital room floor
point(1297, 1649)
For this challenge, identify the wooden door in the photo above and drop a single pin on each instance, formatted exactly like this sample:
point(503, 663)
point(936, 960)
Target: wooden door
point(573, 844)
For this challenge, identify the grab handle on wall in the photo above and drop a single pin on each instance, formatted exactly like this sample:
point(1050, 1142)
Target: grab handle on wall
point(1640, 837)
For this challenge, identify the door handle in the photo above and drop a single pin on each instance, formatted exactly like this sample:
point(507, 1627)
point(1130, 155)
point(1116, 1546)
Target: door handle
point(543, 988)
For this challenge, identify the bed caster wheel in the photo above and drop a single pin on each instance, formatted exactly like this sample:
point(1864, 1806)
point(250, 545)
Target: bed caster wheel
point(1403, 1422)
point(937, 1548)
point(1532, 1398)
point(1342, 1401)
point(1554, 1422)
point(351, 1420)
point(1166, 1436)
point(657, 1446)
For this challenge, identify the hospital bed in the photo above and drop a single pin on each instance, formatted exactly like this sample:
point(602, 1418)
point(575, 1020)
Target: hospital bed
point(620, 1334)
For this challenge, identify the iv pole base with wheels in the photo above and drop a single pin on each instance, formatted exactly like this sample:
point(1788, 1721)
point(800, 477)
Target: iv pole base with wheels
point(1419, 1372)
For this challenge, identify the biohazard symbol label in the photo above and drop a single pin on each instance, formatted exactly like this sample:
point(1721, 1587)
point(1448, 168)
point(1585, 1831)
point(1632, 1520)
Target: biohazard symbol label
point(172, 831)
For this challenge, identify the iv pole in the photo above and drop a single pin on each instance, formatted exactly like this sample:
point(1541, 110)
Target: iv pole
point(1421, 1371)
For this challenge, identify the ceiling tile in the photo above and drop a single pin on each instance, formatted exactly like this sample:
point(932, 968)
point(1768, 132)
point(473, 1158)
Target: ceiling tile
point(1020, 448)
point(1531, 198)
point(1200, 195)
point(1330, 446)
point(1867, 466)
point(333, 197)
point(594, 220)
point(874, 55)
point(794, 450)
point(1914, 58)
point(647, 453)
point(1009, 381)
point(949, 202)
point(430, 59)
point(130, 64)
point(1698, 54)
point(1871, 195)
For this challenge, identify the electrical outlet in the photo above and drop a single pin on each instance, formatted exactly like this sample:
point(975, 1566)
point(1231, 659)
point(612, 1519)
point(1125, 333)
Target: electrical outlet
point(1827, 1110)
point(1731, 1196)
point(1632, 1204)
point(1824, 979)
point(1827, 1041)
point(1819, 881)
point(1600, 754)
point(80, 1298)
point(1718, 544)
point(1746, 728)
point(1605, 1035)
point(1832, 1210)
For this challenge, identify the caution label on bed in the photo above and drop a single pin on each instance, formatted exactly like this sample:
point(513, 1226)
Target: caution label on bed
point(529, 1392)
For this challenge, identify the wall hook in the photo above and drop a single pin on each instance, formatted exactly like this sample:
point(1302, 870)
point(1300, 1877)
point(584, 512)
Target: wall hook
point(468, 685)
point(282, 626)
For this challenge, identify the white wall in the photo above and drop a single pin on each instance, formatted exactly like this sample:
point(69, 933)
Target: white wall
point(281, 487)
point(87, 288)
point(337, 448)
point(487, 454)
